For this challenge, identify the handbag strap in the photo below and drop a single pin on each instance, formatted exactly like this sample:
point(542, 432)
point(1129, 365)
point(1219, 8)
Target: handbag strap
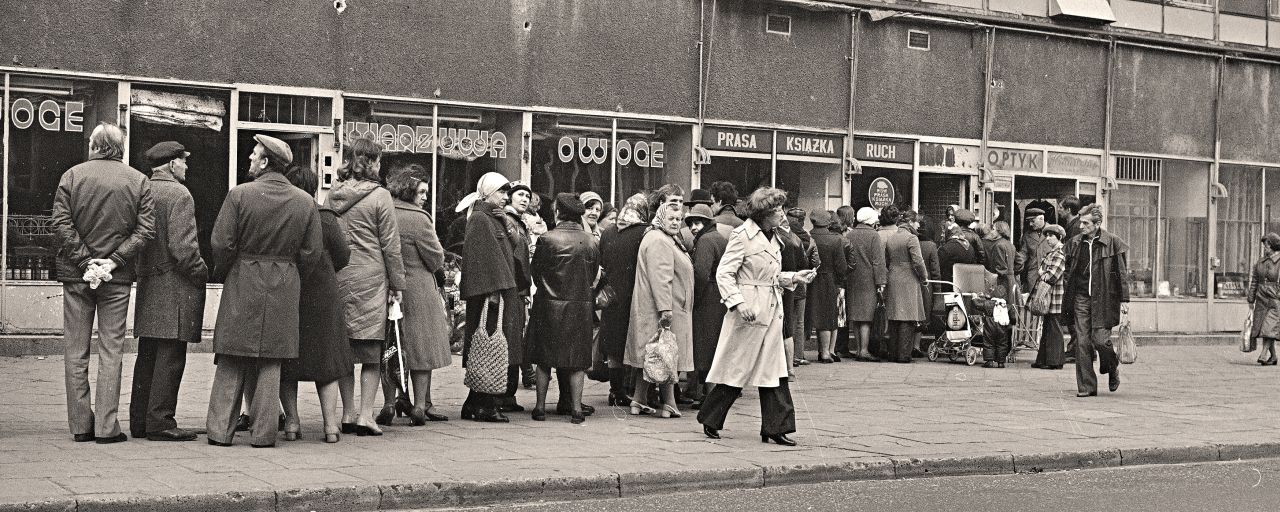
point(484, 316)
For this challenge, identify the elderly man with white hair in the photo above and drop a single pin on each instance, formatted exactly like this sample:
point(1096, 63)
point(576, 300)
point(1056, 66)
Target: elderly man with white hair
point(103, 216)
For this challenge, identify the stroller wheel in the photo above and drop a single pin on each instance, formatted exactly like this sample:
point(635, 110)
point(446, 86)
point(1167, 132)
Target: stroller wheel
point(933, 351)
point(971, 356)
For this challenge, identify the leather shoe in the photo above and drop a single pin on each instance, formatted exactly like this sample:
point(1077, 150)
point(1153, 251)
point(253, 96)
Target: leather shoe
point(243, 423)
point(587, 410)
point(511, 408)
point(1038, 365)
point(1114, 382)
point(118, 438)
point(781, 439)
point(1083, 395)
point(491, 416)
point(990, 364)
point(215, 443)
point(173, 434)
point(83, 438)
point(540, 415)
point(710, 432)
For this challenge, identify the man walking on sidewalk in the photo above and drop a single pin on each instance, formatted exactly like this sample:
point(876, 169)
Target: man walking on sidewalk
point(170, 304)
point(1097, 289)
point(102, 215)
point(265, 231)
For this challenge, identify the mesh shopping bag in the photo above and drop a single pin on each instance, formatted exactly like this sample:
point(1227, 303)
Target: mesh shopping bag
point(487, 358)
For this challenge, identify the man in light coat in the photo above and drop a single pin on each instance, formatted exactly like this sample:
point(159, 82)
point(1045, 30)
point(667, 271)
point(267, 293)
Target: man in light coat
point(103, 216)
point(265, 231)
point(170, 302)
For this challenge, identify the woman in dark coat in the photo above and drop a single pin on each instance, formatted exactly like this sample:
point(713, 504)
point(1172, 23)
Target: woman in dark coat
point(1264, 295)
point(564, 266)
point(708, 310)
point(424, 330)
point(927, 233)
point(903, 306)
point(867, 281)
point(324, 355)
point(1000, 261)
point(619, 250)
point(835, 254)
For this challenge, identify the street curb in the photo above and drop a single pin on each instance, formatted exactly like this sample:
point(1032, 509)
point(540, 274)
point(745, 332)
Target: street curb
point(402, 496)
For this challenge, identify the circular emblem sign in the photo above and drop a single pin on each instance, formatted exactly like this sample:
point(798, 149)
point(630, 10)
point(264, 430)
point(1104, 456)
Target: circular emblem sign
point(880, 194)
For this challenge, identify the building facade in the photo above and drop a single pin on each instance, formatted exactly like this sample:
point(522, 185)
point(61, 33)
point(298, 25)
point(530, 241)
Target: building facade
point(1160, 111)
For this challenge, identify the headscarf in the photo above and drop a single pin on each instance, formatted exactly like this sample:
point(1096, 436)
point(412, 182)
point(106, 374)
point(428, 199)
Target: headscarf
point(656, 223)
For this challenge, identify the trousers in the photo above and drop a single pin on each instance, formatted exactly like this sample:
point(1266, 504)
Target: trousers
point(233, 376)
point(777, 412)
point(80, 304)
point(801, 331)
point(1090, 339)
point(157, 374)
point(903, 338)
point(996, 342)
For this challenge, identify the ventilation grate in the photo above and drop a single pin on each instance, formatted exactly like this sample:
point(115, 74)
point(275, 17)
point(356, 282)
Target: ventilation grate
point(917, 39)
point(1131, 168)
point(778, 24)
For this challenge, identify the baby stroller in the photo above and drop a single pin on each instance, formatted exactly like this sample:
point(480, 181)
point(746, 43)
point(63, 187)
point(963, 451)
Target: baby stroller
point(966, 316)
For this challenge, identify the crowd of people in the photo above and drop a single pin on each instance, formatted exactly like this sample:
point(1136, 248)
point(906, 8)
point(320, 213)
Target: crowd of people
point(718, 290)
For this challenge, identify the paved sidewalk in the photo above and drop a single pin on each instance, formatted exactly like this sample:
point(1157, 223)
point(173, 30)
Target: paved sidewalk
point(856, 420)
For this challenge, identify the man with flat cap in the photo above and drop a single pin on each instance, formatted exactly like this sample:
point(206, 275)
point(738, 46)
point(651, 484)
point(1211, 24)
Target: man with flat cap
point(169, 309)
point(267, 231)
point(1032, 249)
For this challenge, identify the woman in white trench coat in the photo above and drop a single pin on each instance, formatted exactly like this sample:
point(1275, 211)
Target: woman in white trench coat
point(750, 351)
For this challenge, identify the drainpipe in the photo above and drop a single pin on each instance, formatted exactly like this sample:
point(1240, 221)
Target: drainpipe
point(855, 19)
point(988, 196)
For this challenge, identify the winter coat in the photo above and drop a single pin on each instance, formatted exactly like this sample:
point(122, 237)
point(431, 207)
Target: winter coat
point(1032, 251)
point(951, 252)
point(1001, 260)
point(975, 243)
point(424, 330)
point(902, 302)
point(708, 310)
point(171, 273)
point(750, 275)
point(521, 243)
point(324, 353)
point(102, 209)
point(267, 234)
point(1052, 270)
point(822, 306)
point(664, 282)
point(929, 251)
point(869, 272)
point(488, 267)
point(377, 265)
point(727, 220)
point(564, 266)
point(1264, 295)
point(619, 250)
point(1106, 260)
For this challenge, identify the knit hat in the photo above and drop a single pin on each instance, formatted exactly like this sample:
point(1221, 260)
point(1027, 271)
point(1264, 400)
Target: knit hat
point(868, 215)
point(568, 203)
point(589, 196)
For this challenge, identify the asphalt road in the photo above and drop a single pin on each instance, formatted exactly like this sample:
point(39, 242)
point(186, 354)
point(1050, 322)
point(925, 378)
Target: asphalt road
point(1226, 486)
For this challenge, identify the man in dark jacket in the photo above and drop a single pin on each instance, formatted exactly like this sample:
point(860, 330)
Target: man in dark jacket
point(103, 216)
point(170, 303)
point(491, 274)
point(725, 197)
point(708, 310)
point(267, 235)
point(1097, 290)
point(800, 331)
point(1032, 249)
point(966, 219)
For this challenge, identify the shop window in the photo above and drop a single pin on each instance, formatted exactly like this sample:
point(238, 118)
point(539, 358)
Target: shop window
point(197, 119)
point(1251, 8)
point(1184, 230)
point(746, 174)
point(811, 185)
point(572, 155)
point(864, 185)
point(1134, 217)
point(1239, 229)
point(667, 147)
point(262, 107)
point(49, 125)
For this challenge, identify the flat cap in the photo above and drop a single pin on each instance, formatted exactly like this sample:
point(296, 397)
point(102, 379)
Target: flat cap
point(1032, 212)
point(820, 218)
point(276, 148)
point(165, 151)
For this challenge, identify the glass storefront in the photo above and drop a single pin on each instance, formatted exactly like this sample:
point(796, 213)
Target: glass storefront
point(1161, 208)
point(578, 154)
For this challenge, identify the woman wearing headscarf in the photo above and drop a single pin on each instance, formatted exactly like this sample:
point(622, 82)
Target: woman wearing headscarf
point(619, 251)
point(867, 281)
point(1264, 296)
point(823, 302)
point(424, 333)
point(1000, 261)
point(373, 278)
point(1051, 269)
point(591, 218)
point(564, 267)
point(903, 306)
point(324, 355)
point(750, 351)
point(663, 297)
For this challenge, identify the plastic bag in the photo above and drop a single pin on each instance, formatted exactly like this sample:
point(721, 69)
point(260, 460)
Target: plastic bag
point(1128, 349)
point(1000, 312)
point(1247, 342)
point(660, 357)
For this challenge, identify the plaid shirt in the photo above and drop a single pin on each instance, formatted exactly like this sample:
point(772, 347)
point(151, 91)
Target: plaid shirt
point(1052, 268)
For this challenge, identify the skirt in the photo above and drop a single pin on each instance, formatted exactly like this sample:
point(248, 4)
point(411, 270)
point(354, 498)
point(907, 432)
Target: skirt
point(367, 351)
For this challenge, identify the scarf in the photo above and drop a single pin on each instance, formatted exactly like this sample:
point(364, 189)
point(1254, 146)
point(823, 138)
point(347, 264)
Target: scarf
point(656, 225)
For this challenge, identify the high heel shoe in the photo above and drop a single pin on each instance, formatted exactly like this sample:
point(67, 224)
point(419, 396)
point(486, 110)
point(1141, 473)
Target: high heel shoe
point(387, 414)
point(538, 414)
point(669, 411)
point(711, 432)
point(363, 431)
point(781, 439)
point(348, 428)
point(638, 408)
point(404, 408)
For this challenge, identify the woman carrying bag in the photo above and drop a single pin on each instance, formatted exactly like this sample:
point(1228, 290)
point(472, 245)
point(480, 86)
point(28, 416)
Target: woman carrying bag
point(1264, 295)
point(1049, 285)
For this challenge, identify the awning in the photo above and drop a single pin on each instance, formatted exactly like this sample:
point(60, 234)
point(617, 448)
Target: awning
point(1093, 11)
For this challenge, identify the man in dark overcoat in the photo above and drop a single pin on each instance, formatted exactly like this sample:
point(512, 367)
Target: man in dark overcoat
point(265, 232)
point(491, 273)
point(1032, 249)
point(1097, 291)
point(103, 216)
point(169, 309)
point(965, 219)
